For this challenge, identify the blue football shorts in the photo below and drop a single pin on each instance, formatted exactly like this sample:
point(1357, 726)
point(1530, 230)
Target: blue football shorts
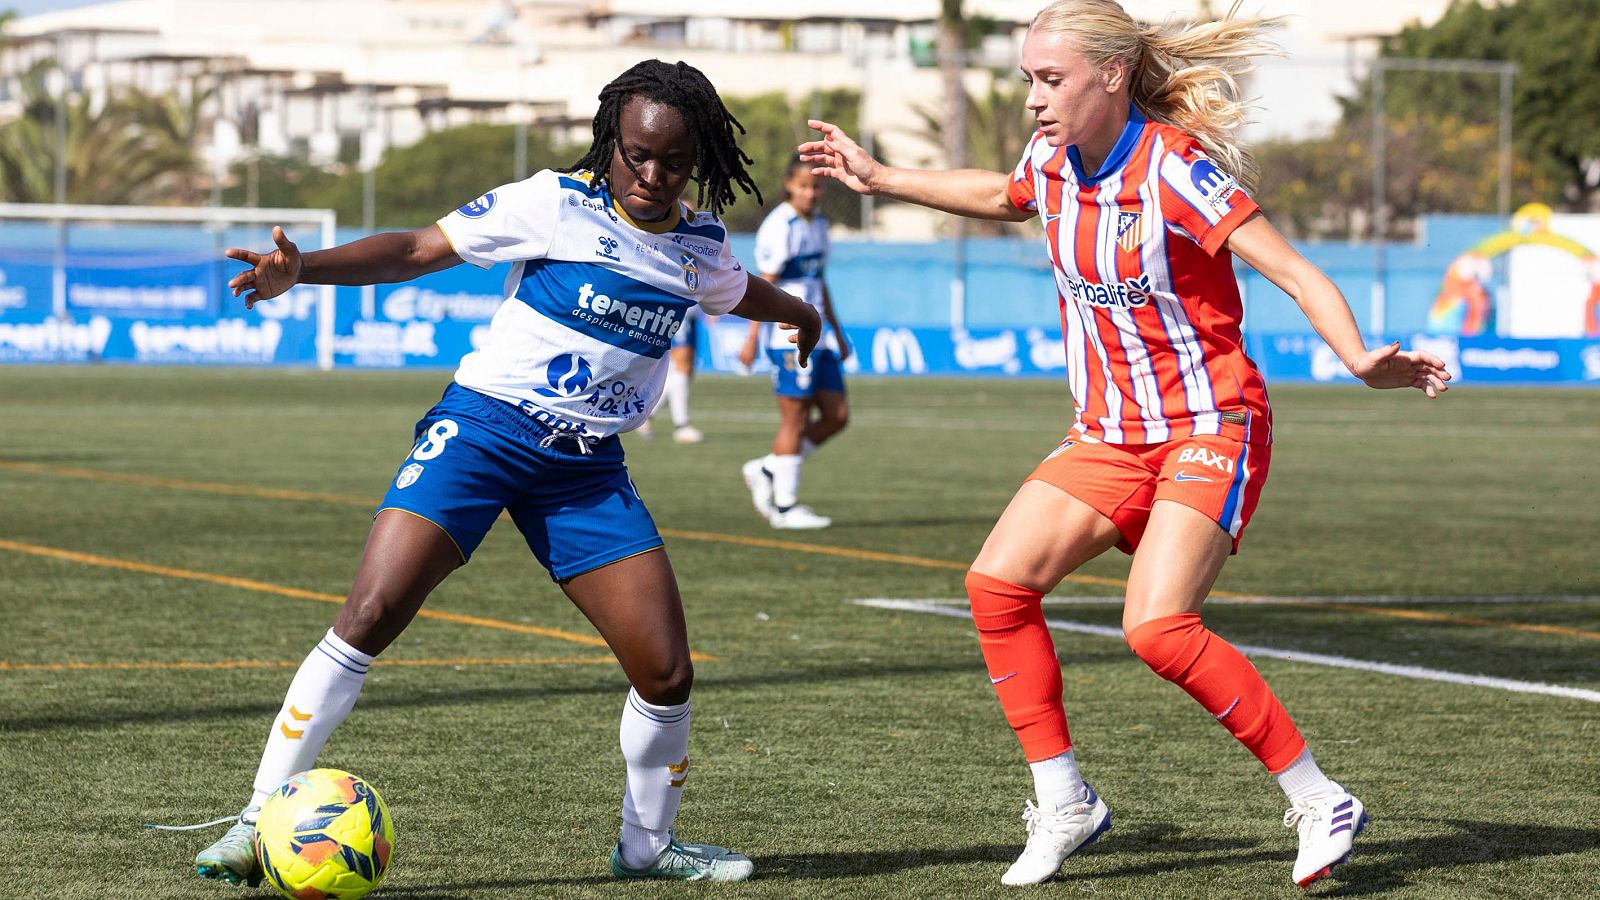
point(823, 372)
point(475, 455)
point(688, 334)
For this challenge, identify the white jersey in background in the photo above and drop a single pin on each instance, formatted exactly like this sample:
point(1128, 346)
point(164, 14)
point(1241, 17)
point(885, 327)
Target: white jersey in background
point(795, 249)
point(592, 302)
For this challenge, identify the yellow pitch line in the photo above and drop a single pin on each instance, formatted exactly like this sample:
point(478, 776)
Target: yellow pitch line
point(798, 547)
point(850, 553)
point(211, 487)
point(247, 584)
point(180, 665)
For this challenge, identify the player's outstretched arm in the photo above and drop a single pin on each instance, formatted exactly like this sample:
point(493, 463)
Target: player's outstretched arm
point(378, 259)
point(1260, 245)
point(975, 193)
point(763, 302)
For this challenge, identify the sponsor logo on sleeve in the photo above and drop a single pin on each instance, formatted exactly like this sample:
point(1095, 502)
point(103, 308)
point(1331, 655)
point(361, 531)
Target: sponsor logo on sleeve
point(1213, 184)
point(478, 208)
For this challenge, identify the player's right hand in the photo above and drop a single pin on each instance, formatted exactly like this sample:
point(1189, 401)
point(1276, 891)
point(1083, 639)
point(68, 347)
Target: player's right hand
point(270, 274)
point(806, 333)
point(838, 157)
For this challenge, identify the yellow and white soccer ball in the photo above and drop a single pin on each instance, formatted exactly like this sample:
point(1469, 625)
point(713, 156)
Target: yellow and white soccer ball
point(324, 834)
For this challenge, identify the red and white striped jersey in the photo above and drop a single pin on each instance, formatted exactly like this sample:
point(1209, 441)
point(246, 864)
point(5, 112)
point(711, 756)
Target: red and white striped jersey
point(1150, 309)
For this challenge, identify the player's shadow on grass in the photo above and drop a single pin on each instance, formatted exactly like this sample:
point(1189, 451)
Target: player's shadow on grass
point(1378, 864)
point(1382, 865)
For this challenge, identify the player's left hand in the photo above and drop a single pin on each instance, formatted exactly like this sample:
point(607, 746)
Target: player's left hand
point(1390, 367)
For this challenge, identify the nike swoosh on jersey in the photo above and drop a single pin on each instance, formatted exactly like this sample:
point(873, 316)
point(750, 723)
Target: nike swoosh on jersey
point(1185, 476)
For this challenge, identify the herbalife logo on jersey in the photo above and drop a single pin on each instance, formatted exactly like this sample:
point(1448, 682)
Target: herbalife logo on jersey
point(1128, 294)
point(652, 322)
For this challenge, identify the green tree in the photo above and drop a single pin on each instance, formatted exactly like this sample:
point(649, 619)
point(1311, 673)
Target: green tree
point(999, 127)
point(113, 153)
point(1556, 92)
point(774, 127)
point(415, 185)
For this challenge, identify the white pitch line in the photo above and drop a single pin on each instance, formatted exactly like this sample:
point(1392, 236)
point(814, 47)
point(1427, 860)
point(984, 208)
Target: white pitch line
point(936, 608)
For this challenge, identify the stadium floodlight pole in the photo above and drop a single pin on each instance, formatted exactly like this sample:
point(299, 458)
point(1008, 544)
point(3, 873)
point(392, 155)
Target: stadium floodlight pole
point(326, 219)
point(1380, 210)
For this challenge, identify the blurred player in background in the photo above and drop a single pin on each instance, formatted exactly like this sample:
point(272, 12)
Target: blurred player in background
point(574, 356)
point(1137, 178)
point(792, 251)
point(675, 395)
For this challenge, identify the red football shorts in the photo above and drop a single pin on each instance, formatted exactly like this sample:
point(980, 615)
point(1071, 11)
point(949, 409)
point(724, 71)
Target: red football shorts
point(1217, 476)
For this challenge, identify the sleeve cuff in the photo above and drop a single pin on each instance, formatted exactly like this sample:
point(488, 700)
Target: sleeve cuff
point(454, 245)
point(1220, 232)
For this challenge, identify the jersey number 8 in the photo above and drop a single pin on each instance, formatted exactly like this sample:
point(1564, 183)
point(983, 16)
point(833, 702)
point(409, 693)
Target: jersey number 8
point(432, 443)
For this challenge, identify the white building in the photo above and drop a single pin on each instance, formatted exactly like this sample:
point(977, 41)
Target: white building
point(321, 77)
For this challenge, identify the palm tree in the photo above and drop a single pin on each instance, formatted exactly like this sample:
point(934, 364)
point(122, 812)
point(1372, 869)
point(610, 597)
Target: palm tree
point(998, 128)
point(131, 147)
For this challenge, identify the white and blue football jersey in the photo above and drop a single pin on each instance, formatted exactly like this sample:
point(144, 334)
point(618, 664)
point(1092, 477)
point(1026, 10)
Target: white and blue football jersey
point(795, 249)
point(593, 300)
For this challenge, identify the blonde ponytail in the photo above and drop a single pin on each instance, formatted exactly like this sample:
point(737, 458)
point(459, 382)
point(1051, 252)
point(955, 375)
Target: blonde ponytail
point(1185, 76)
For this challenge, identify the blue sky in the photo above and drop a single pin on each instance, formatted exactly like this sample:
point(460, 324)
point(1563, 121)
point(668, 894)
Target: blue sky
point(31, 7)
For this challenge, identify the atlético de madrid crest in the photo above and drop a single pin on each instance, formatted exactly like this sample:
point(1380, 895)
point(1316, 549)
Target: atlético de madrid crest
point(1130, 234)
point(691, 272)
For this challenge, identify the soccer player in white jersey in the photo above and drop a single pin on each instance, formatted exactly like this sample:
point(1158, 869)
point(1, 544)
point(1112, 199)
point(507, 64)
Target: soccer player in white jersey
point(1142, 190)
point(606, 263)
point(792, 251)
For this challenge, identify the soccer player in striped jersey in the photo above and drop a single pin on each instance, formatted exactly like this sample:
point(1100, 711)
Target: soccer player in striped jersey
point(607, 261)
point(792, 252)
point(1142, 193)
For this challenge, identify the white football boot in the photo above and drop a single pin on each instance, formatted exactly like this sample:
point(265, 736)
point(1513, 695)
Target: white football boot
point(1054, 836)
point(688, 434)
point(687, 862)
point(798, 517)
point(759, 481)
point(1327, 830)
point(233, 857)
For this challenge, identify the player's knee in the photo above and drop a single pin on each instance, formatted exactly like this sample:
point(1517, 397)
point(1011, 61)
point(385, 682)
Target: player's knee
point(998, 605)
point(365, 621)
point(1168, 645)
point(838, 419)
point(668, 684)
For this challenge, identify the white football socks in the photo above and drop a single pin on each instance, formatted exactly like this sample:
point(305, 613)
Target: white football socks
point(807, 447)
point(320, 697)
point(1057, 782)
point(655, 744)
point(677, 391)
point(785, 478)
point(1303, 782)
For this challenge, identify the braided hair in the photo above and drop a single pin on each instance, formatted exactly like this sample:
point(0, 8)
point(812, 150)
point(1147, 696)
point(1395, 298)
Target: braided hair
point(718, 161)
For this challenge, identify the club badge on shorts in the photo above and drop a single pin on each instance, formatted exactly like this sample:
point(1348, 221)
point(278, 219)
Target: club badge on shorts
point(408, 476)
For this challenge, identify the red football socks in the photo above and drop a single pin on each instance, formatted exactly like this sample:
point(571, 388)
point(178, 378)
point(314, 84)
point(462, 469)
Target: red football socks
point(1022, 663)
point(1212, 671)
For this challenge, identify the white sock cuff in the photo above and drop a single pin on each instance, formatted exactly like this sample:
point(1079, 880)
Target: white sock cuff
point(661, 715)
point(807, 447)
point(345, 656)
point(1303, 779)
